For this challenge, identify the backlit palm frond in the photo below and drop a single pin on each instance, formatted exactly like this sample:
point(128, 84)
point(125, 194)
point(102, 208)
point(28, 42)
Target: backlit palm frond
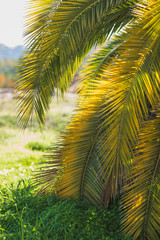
point(59, 35)
point(133, 85)
point(78, 159)
point(94, 66)
point(80, 144)
point(98, 145)
point(51, 169)
point(141, 199)
point(80, 176)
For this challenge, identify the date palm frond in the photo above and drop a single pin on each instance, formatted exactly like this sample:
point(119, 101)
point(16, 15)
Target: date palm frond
point(58, 36)
point(141, 197)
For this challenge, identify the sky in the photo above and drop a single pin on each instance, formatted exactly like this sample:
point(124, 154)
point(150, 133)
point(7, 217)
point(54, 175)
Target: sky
point(11, 22)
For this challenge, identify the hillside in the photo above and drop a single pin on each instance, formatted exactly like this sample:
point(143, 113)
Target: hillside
point(10, 53)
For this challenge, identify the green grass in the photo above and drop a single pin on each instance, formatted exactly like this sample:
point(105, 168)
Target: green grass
point(26, 216)
point(27, 147)
point(8, 121)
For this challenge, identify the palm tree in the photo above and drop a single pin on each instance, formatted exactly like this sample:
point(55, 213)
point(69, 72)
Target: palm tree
point(112, 144)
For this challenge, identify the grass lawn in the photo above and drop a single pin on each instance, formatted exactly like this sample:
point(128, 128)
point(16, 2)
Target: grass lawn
point(22, 150)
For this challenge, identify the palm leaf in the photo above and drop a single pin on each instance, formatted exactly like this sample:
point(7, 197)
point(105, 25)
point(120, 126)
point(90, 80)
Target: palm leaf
point(77, 160)
point(59, 35)
point(102, 134)
point(130, 85)
point(89, 184)
point(141, 199)
point(95, 64)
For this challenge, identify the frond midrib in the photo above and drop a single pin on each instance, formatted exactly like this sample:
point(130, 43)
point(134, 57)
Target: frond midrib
point(94, 139)
point(126, 100)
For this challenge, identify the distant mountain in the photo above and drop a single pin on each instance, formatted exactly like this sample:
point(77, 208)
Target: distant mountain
point(10, 53)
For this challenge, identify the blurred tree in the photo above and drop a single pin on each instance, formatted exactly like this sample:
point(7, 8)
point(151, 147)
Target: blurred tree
point(8, 69)
point(2, 80)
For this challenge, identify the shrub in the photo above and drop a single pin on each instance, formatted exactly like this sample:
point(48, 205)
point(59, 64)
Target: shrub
point(37, 146)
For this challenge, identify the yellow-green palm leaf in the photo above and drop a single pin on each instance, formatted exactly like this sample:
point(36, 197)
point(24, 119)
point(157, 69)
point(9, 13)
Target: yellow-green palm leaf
point(102, 134)
point(80, 144)
point(141, 199)
point(77, 159)
point(59, 34)
point(128, 87)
